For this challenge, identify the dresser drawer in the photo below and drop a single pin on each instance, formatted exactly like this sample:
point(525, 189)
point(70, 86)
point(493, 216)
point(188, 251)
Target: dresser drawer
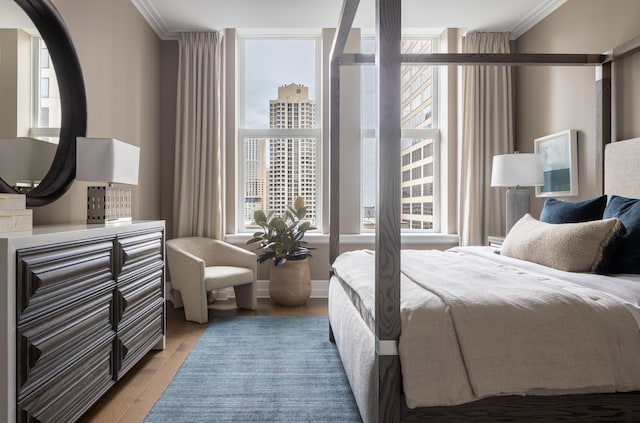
point(57, 275)
point(66, 397)
point(134, 295)
point(49, 346)
point(139, 336)
point(139, 250)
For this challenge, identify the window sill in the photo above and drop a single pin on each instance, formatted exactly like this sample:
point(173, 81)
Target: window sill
point(366, 238)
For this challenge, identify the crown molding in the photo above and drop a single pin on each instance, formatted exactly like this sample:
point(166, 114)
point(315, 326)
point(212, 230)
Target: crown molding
point(544, 9)
point(157, 23)
point(153, 18)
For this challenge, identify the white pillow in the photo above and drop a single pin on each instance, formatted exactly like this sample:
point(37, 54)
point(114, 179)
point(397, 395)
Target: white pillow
point(572, 247)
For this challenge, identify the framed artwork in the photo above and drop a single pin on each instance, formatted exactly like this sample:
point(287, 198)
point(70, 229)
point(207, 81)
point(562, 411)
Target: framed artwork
point(559, 164)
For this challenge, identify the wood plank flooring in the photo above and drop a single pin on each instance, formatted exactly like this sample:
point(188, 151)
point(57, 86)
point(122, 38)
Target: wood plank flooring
point(132, 398)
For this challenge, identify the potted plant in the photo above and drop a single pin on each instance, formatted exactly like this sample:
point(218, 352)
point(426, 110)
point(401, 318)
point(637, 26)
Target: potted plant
point(281, 243)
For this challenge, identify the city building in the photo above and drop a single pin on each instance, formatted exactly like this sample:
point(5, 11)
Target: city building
point(255, 177)
point(278, 170)
point(417, 153)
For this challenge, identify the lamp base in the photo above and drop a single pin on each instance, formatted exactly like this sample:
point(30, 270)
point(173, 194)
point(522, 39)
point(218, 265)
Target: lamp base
point(518, 204)
point(108, 204)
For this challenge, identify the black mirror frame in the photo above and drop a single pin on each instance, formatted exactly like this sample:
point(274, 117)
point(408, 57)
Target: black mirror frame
point(73, 102)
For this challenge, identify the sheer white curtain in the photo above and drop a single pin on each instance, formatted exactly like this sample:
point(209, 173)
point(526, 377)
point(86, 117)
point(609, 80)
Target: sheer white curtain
point(487, 130)
point(199, 150)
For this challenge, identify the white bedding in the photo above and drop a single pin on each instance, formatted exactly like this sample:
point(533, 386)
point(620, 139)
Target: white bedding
point(476, 324)
point(624, 287)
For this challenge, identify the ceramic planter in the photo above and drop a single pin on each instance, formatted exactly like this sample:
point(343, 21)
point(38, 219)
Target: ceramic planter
point(290, 283)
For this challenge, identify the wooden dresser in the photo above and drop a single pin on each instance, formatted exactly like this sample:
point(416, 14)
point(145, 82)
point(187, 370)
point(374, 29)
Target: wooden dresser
point(81, 305)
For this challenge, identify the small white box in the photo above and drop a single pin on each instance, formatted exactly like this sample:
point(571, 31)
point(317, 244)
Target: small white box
point(13, 201)
point(16, 220)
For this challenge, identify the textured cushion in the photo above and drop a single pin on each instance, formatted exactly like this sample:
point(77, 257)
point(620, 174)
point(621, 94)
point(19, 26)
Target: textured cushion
point(556, 211)
point(572, 247)
point(216, 277)
point(626, 254)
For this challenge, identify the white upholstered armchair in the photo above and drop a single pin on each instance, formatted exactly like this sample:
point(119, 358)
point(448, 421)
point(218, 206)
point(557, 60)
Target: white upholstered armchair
point(199, 265)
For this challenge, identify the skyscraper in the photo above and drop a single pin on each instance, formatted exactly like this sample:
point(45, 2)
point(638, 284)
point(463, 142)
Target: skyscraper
point(255, 177)
point(292, 161)
point(417, 153)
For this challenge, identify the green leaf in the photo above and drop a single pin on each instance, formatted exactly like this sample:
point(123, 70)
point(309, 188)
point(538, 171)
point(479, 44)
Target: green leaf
point(279, 225)
point(304, 226)
point(259, 216)
point(266, 257)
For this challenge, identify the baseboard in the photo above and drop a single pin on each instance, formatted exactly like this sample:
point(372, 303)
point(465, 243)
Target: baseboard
point(319, 289)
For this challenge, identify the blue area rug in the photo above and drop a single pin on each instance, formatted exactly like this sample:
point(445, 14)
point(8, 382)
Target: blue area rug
point(260, 369)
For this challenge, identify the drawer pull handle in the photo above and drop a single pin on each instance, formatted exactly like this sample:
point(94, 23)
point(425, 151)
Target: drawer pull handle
point(34, 356)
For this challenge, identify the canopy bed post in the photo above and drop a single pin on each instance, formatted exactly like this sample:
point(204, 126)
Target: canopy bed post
point(603, 117)
point(334, 162)
point(387, 257)
point(347, 15)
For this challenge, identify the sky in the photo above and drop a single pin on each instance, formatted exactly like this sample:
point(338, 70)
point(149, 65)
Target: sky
point(269, 64)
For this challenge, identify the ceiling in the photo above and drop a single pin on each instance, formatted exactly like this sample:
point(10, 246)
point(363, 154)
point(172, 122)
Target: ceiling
point(168, 17)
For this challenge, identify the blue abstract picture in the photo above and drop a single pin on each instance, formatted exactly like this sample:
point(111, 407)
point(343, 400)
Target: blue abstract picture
point(559, 164)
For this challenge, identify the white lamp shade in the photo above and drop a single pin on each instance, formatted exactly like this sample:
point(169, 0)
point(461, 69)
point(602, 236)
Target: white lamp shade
point(520, 169)
point(107, 160)
point(35, 160)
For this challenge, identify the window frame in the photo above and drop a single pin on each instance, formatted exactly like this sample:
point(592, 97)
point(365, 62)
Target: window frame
point(244, 133)
point(406, 133)
point(36, 130)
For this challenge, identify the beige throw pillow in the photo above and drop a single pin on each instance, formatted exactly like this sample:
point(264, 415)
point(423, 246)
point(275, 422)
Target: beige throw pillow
point(572, 247)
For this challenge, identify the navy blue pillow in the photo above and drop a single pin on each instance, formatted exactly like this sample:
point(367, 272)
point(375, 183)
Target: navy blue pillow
point(626, 252)
point(556, 211)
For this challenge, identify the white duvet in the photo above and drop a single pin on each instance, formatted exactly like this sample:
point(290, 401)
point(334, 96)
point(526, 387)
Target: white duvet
point(475, 324)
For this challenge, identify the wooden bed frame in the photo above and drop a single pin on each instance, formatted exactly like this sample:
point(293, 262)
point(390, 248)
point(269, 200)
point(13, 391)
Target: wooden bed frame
point(388, 60)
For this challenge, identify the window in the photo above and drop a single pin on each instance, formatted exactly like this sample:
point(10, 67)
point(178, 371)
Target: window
point(44, 56)
point(279, 129)
point(44, 116)
point(46, 112)
point(44, 87)
point(420, 138)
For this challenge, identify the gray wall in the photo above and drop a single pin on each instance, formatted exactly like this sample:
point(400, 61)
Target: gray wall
point(552, 99)
point(120, 58)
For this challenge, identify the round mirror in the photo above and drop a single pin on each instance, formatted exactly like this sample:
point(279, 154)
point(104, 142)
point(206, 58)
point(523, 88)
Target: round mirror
point(42, 156)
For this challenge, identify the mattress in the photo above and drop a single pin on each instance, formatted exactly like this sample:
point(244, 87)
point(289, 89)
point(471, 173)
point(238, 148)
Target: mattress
point(476, 324)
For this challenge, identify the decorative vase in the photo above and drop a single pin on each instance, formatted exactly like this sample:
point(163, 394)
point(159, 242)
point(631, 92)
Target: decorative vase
point(290, 283)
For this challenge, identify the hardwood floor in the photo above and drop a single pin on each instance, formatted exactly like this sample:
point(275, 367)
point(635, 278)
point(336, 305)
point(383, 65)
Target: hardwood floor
point(132, 398)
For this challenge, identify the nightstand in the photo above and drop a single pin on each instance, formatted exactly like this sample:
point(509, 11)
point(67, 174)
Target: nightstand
point(495, 241)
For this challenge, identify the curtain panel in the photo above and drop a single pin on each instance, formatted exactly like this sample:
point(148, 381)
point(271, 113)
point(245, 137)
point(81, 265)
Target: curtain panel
point(487, 130)
point(199, 168)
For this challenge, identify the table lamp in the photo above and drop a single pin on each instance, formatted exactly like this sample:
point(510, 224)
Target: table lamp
point(112, 161)
point(515, 171)
point(25, 161)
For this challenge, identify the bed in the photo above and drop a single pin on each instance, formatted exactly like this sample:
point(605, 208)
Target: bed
point(411, 340)
point(560, 332)
point(450, 329)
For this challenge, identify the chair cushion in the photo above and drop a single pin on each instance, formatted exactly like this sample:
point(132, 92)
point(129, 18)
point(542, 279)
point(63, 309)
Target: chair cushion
point(216, 277)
